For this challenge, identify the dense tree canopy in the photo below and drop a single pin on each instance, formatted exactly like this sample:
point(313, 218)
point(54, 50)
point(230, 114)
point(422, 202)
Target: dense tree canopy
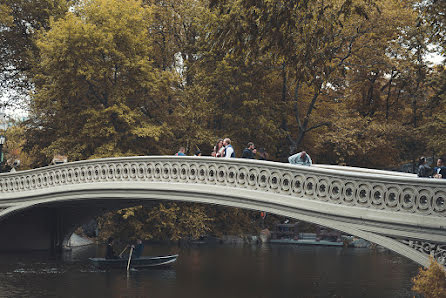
point(347, 80)
point(20, 22)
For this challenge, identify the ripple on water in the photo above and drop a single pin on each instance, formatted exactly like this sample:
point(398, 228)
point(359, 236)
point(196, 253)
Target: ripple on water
point(39, 271)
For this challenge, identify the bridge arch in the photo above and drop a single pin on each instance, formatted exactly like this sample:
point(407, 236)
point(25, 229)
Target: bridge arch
point(397, 211)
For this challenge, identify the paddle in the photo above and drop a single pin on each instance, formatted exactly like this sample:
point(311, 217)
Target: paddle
point(125, 248)
point(130, 257)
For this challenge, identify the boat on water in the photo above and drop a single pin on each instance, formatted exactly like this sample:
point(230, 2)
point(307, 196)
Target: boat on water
point(142, 262)
point(288, 233)
point(308, 242)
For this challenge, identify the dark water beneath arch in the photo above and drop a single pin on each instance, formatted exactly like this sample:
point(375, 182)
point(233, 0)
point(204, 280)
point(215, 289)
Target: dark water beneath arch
point(214, 271)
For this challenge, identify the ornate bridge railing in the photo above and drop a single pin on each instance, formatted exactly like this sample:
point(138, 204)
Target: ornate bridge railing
point(392, 204)
point(399, 194)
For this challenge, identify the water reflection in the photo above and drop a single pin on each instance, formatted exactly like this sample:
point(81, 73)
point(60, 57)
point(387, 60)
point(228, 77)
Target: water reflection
point(214, 271)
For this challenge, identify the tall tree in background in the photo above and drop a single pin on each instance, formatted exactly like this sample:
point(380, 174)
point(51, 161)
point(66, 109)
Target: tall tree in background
point(309, 42)
point(20, 22)
point(434, 130)
point(98, 92)
point(379, 97)
point(346, 79)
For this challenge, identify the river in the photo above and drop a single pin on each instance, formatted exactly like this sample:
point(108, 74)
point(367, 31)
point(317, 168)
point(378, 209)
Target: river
point(214, 271)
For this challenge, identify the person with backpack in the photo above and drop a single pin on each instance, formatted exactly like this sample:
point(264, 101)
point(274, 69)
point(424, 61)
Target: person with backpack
point(181, 152)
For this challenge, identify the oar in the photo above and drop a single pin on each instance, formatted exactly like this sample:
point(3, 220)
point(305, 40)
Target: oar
point(125, 248)
point(130, 257)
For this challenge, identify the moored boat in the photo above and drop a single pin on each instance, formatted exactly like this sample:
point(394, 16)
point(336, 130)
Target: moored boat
point(308, 242)
point(288, 233)
point(142, 262)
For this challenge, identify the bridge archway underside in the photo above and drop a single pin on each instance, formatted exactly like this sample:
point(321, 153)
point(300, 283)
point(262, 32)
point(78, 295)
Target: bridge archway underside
point(404, 214)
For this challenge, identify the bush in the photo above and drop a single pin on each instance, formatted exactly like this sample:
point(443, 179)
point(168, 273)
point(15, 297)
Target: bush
point(431, 282)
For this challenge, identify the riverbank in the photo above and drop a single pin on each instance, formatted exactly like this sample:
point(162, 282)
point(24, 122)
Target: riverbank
point(264, 237)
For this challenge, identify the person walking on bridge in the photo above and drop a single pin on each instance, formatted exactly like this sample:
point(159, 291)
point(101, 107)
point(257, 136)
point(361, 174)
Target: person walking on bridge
point(250, 151)
point(440, 169)
point(263, 155)
point(423, 169)
point(301, 158)
point(181, 152)
point(229, 151)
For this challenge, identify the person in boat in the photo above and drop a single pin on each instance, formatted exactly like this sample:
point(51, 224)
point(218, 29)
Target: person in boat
point(110, 254)
point(138, 249)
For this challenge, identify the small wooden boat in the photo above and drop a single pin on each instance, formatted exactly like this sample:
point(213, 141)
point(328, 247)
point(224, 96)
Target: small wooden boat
point(142, 262)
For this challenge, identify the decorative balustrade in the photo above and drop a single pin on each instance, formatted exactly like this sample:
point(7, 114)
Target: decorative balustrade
point(365, 190)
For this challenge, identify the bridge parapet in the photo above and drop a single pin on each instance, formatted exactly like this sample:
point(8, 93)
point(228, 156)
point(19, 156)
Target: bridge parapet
point(400, 194)
point(398, 211)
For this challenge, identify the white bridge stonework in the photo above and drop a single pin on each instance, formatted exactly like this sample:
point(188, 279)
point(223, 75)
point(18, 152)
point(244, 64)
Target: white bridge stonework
point(398, 211)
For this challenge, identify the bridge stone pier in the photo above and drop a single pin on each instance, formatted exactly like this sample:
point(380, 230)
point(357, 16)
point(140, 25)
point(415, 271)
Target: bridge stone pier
point(40, 208)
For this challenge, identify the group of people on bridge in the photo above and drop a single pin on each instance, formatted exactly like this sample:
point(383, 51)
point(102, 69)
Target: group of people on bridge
point(223, 148)
point(424, 170)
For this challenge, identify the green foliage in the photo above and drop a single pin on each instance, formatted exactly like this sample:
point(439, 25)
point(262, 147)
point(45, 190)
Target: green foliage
point(171, 221)
point(13, 148)
point(175, 221)
point(20, 21)
point(97, 83)
point(431, 282)
point(117, 78)
point(347, 80)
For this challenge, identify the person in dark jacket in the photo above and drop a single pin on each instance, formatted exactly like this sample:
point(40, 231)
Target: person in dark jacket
point(110, 254)
point(440, 169)
point(263, 155)
point(250, 151)
point(423, 169)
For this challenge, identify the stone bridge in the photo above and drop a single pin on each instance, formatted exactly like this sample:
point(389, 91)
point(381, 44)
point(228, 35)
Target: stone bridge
point(40, 208)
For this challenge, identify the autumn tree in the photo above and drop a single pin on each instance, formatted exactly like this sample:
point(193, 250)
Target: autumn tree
point(13, 148)
point(434, 13)
point(377, 103)
point(98, 92)
point(20, 22)
point(430, 282)
point(309, 41)
point(159, 221)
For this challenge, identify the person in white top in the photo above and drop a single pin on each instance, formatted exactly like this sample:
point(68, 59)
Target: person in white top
point(219, 149)
point(229, 151)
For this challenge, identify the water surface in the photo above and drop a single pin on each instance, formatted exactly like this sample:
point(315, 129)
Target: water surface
point(214, 271)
